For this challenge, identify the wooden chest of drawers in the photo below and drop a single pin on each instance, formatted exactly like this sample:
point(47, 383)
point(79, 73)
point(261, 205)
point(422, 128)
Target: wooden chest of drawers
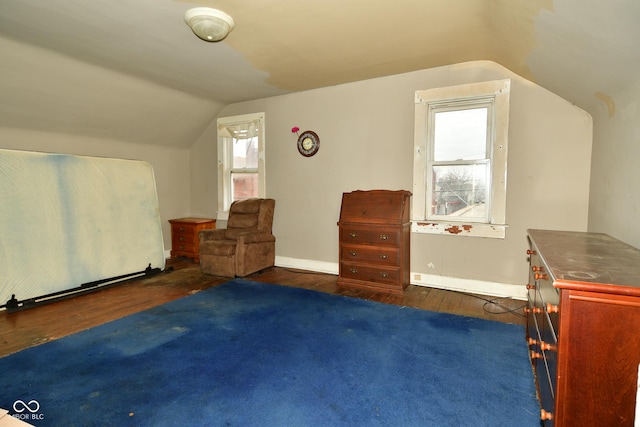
point(374, 234)
point(184, 236)
point(583, 327)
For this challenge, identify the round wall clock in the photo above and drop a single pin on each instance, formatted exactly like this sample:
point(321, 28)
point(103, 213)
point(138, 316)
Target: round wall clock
point(308, 143)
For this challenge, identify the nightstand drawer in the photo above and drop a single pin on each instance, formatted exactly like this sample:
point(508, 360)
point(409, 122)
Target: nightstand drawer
point(183, 238)
point(184, 248)
point(183, 229)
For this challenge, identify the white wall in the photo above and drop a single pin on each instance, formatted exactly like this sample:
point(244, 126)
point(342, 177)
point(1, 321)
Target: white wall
point(50, 92)
point(203, 174)
point(615, 182)
point(366, 133)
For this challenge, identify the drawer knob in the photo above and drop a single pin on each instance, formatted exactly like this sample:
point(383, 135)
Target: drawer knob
point(531, 252)
point(353, 270)
point(354, 235)
point(536, 355)
point(384, 237)
point(531, 341)
point(552, 308)
point(534, 310)
point(536, 268)
point(531, 286)
point(181, 239)
point(547, 346)
point(542, 276)
point(383, 256)
point(181, 228)
point(545, 415)
point(384, 275)
point(353, 253)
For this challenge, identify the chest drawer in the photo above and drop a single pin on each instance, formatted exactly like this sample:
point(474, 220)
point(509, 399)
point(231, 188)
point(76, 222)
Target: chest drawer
point(547, 300)
point(542, 330)
point(353, 234)
point(370, 273)
point(381, 255)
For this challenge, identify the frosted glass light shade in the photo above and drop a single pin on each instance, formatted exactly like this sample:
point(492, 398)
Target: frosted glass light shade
point(210, 25)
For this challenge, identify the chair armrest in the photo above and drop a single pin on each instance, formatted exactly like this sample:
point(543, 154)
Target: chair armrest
point(207, 235)
point(253, 237)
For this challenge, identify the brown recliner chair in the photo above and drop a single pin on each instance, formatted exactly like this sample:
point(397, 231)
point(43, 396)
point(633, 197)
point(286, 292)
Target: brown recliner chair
point(247, 244)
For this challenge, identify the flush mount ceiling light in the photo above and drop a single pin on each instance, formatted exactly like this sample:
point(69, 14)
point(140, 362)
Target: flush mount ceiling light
point(210, 25)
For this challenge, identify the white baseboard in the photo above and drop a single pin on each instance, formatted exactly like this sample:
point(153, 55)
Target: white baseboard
point(481, 287)
point(307, 264)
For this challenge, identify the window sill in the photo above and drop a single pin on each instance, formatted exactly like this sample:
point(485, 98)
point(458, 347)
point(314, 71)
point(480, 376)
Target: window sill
point(471, 229)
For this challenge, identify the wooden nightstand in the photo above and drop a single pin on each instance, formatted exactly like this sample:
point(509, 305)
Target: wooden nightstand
point(184, 236)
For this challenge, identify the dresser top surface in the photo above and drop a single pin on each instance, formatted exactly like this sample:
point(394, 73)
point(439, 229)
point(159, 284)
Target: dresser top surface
point(590, 261)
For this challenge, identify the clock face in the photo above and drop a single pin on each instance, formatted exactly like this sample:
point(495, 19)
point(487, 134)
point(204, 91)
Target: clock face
point(308, 143)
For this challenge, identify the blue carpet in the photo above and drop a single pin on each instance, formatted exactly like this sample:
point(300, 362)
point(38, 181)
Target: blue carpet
point(254, 354)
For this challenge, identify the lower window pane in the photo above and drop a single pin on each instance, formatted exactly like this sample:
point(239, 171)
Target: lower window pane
point(460, 191)
point(244, 186)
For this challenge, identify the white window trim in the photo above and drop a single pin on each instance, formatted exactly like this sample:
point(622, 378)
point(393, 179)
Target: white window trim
point(496, 228)
point(225, 161)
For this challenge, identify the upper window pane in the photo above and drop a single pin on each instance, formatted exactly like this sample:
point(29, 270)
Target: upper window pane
point(245, 153)
point(460, 135)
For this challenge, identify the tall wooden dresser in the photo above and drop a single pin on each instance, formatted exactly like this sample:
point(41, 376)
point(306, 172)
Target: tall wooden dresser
point(583, 327)
point(374, 233)
point(184, 236)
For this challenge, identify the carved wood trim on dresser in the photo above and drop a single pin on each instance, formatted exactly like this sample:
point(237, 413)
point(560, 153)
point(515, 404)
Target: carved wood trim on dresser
point(583, 327)
point(375, 232)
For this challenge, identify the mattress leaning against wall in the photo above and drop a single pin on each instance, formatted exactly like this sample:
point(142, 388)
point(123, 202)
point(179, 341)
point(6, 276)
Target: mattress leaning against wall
point(66, 221)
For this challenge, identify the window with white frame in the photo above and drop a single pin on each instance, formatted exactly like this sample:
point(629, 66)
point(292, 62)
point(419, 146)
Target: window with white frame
point(460, 159)
point(241, 162)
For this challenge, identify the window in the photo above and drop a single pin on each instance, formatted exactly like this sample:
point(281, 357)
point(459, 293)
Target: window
point(460, 159)
point(240, 160)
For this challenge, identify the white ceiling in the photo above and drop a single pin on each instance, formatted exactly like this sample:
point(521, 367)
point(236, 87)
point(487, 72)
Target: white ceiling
point(583, 50)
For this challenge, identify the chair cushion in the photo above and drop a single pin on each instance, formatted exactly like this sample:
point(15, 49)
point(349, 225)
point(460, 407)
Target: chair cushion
point(243, 220)
point(243, 216)
point(218, 247)
point(246, 206)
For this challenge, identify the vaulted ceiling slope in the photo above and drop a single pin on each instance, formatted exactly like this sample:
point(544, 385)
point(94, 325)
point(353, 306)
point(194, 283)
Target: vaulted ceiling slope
point(133, 70)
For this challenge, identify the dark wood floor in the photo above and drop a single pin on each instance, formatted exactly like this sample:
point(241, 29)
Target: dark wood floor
point(26, 328)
